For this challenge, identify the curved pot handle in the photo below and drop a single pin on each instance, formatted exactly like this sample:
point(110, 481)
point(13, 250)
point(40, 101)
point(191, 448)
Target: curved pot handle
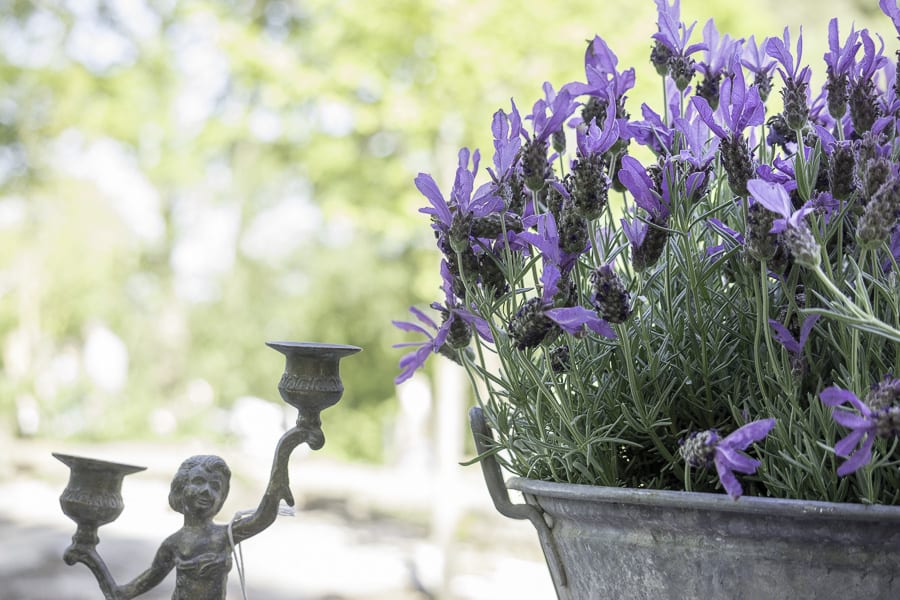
point(484, 441)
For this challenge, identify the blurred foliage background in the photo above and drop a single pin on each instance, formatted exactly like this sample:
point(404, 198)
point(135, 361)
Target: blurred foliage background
point(181, 181)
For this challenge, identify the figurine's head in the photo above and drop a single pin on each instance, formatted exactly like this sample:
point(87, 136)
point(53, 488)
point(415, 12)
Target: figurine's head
point(200, 486)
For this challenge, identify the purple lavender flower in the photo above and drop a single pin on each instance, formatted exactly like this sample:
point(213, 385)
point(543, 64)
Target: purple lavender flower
point(863, 98)
point(797, 236)
point(653, 133)
point(759, 64)
point(674, 36)
point(705, 449)
point(414, 360)
point(574, 320)
point(647, 238)
point(534, 154)
point(775, 197)
point(605, 85)
point(794, 345)
point(449, 339)
point(453, 218)
point(720, 50)
point(890, 8)
point(869, 424)
point(839, 60)
point(507, 131)
point(796, 80)
point(739, 108)
point(784, 336)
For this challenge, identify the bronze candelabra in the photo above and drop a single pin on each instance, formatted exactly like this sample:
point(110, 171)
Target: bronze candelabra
point(200, 552)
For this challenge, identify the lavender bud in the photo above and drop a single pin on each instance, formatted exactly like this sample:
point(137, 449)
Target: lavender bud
point(709, 90)
point(887, 421)
point(492, 226)
point(873, 177)
point(796, 111)
point(460, 232)
point(647, 254)
point(841, 167)
point(560, 361)
point(573, 230)
point(594, 109)
point(884, 393)
point(836, 87)
point(567, 294)
point(863, 103)
point(737, 162)
point(660, 56)
point(759, 243)
point(590, 185)
point(529, 326)
point(699, 448)
point(897, 76)
point(534, 164)
point(558, 140)
point(681, 68)
point(554, 201)
point(491, 275)
point(512, 191)
point(880, 215)
point(803, 246)
point(609, 296)
point(763, 83)
point(460, 332)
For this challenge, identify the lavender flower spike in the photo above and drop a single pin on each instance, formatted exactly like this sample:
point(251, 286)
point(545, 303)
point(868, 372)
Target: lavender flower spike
point(706, 448)
point(776, 198)
point(856, 447)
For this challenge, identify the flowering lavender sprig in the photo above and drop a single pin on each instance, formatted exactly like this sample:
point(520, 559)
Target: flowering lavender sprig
point(606, 85)
point(739, 108)
point(449, 339)
point(794, 345)
point(865, 427)
point(705, 449)
point(759, 64)
point(863, 98)
point(796, 80)
point(674, 36)
point(534, 153)
point(647, 239)
point(839, 61)
point(720, 49)
point(799, 239)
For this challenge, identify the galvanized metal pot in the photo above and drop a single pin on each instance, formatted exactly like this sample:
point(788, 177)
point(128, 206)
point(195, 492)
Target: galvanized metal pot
point(629, 544)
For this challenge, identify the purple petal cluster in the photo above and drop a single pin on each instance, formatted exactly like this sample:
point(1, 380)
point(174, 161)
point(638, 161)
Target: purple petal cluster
point(706, 448)
point(865, 425)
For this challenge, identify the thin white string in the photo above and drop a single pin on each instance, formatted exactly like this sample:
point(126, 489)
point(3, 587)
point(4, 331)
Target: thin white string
point(283, 510)
point(238, 552)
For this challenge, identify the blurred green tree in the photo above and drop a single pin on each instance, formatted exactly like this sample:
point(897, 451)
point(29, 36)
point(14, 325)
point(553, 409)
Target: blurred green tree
point(181, 181)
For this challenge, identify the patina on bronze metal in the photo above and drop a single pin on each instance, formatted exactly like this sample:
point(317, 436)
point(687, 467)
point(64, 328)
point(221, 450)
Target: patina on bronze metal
point(200, 552)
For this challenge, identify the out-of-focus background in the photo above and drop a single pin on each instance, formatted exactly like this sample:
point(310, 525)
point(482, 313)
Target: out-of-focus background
point(182, 181)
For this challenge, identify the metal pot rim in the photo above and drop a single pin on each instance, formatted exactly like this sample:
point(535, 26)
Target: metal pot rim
point(705, 501)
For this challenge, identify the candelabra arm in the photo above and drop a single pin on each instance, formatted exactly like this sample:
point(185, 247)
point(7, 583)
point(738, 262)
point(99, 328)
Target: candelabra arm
point(279, 488)
point(93, 561)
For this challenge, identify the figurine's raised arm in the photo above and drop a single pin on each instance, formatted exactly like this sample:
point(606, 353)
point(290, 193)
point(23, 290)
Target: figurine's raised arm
point(279, 488)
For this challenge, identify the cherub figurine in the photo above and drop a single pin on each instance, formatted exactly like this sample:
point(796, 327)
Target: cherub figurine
point(200, 552)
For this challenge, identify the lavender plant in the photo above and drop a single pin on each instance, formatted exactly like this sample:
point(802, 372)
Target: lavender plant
point(705, 298)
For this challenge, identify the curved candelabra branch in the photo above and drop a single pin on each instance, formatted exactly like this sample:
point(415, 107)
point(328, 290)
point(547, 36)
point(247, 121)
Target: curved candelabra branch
point(89, 557)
